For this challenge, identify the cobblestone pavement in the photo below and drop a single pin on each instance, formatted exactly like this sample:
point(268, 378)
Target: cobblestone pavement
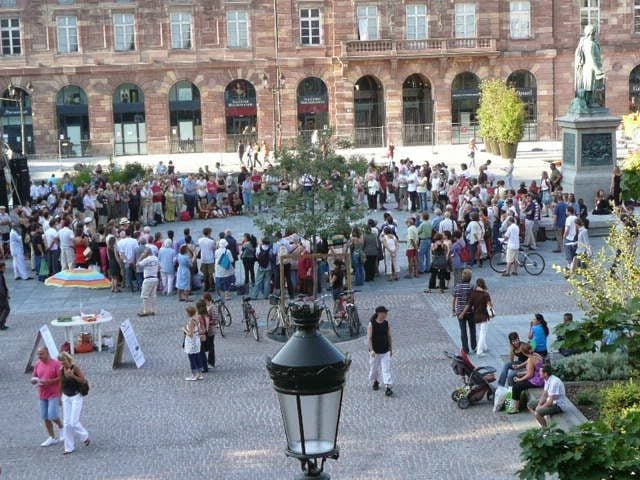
point(149, 423)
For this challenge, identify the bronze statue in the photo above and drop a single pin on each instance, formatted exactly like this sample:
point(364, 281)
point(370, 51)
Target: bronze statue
point(589, 76)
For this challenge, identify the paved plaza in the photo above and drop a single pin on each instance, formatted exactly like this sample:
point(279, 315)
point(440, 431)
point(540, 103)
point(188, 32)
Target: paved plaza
point(149, 423)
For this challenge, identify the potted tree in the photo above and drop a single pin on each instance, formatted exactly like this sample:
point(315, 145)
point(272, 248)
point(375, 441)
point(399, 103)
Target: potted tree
point(487, 111)
point(510, 122)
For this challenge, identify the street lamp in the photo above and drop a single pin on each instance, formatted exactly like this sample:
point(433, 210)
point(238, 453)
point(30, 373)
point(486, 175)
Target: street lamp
point(279, 85)
point(308, 375)
point(13, 93)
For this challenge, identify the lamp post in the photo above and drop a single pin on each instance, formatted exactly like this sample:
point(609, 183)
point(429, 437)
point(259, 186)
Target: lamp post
point(13, 92)
point(276, 91)
point(308, 375)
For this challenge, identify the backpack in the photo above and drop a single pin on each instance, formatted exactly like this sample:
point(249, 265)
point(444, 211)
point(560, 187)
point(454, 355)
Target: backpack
point(264, 257)
point(224, 261)
point(439, 260)
point(465, 254)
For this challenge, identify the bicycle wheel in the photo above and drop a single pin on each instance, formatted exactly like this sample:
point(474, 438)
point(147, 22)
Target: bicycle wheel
point(225, 315)
point(337, 319)
point(533, 263)
point(272, 319)
point(354, 321)
point(498, 262)
point(221, 327)
point(253, 326)
point(329, 318)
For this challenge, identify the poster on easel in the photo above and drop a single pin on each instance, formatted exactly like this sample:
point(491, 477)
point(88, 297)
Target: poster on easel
point(128, 336)
point(44, 335)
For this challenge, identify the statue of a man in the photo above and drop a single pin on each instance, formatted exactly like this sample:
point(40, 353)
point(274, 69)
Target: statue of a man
point(589, 76)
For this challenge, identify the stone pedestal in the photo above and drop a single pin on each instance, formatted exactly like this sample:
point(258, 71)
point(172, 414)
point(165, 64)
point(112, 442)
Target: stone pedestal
point(588, 152)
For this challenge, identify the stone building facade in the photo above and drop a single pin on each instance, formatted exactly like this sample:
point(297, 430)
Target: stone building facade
point(132, 77)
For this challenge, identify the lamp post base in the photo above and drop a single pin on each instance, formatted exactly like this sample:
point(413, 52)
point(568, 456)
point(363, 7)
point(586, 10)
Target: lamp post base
point(314, 476)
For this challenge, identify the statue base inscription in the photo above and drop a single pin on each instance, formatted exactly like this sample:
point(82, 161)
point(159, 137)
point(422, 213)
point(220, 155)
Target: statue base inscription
point(588, 150)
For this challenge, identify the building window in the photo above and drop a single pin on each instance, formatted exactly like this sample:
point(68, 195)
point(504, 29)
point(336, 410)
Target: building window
point(67, 34)
point(465, 20)
point(125, 27)
point(310, 26)
point(7, 3)
point(636, 16)
point(416, 22)
point(66, 2)
point(10, 35)
point(590, 13)
point(181, 30)
point(368, 22)
point(520, 20)
point(238, 28)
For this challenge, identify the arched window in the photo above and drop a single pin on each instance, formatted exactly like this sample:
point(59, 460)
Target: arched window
point(72, 111)
point(465, 99)
point(185, 118)
point(14, 123)
point(634, 90)
point(525, 83)
point(417, 111)
point(313, 105)
point(368, 106)
point(130, 127)
point(241, 113)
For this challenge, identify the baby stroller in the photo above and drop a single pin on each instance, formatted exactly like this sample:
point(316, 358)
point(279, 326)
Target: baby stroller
point(477, 380)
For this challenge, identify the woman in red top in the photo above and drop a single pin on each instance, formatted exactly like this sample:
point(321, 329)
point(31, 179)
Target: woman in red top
point(80, 243)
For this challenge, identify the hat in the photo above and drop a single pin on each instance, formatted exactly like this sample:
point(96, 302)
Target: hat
point(381, 309)
point(124, 221)
point(88, 220)
point(223, 243)
point(3, 207)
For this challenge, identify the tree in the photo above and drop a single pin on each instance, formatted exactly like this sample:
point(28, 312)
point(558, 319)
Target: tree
point(321, 200)
point(608, 290)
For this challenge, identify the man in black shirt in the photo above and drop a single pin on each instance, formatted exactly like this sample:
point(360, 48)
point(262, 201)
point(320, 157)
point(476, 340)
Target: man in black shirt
point(380, 350)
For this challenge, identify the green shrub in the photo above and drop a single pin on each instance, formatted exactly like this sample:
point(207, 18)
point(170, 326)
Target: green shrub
point(131, 171)
point(593, 366)
point(603, 450)
point(82, 176)
point(619, 399)
point(589, 396)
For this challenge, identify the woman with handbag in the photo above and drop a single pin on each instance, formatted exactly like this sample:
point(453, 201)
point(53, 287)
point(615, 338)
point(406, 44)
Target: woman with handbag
point(482, 309)
point(74, 387)
point(205, 340)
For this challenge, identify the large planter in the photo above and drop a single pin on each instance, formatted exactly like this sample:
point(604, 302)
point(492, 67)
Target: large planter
point(492, 146)
point(508, 150)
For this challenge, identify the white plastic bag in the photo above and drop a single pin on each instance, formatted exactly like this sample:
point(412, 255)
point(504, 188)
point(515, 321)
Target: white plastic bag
point(500, 397)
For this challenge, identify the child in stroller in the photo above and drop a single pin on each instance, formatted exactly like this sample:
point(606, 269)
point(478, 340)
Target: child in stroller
point(477, 380)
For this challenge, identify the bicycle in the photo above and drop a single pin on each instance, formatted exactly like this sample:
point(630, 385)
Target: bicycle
point(224, 315)
point(532, 262)
point(334, 320)
point(346, 310)
point(249, 317)
point(279, 316)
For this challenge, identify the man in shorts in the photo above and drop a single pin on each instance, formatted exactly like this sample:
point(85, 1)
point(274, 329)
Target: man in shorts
point(46, 375)
point(512, 238)
point(553, 399)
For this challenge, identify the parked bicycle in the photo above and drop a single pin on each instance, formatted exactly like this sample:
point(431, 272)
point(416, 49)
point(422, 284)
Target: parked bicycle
point(224, 315)
point(249, 317)
point(532, 262)
point(279, 318)
point(346, 310)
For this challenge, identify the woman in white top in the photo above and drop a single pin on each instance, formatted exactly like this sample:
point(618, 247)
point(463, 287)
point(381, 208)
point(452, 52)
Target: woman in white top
point(373, 187)
point(390, 247)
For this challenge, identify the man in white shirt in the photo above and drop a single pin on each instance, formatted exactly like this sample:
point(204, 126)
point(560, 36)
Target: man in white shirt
point(207, 247)
point(67, 250)
point(52, 246)
point(148, 292)
point(553, 399)
point(127, 248)
point(447, 224)
point(512, 237)
point(570, 235)
point(412, 189)
point(413, 241)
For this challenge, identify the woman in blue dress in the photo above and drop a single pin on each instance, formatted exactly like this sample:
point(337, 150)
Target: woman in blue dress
point(183, 281)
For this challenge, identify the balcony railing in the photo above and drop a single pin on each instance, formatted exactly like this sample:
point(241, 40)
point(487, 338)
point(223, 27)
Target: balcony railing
point(417, 134)
point(368, 137)
point(430, 46)
point(234, 139)
point(192, 145)
point(68, 149)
